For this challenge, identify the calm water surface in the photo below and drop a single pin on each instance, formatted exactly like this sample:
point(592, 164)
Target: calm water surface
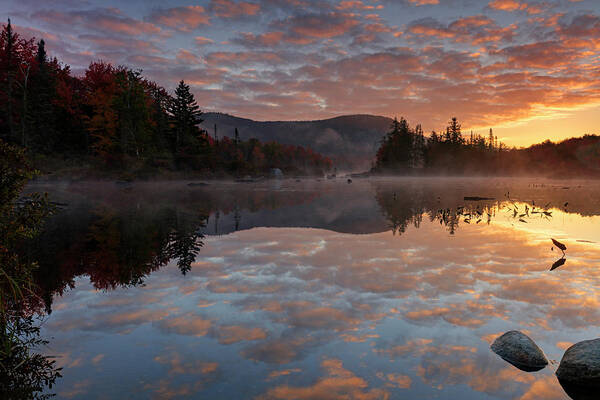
point(316, 289)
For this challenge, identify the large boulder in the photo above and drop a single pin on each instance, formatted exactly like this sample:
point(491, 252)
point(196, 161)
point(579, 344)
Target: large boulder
point(580, 364)
point(579, 392)
point(518, 349)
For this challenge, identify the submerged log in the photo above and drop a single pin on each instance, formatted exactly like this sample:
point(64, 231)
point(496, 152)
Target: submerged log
point(477, 198)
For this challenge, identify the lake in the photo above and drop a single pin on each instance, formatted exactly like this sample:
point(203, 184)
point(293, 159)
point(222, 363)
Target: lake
point(316, 289)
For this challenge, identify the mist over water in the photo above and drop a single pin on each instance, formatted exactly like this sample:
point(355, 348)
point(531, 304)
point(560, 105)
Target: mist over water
point(379, 288)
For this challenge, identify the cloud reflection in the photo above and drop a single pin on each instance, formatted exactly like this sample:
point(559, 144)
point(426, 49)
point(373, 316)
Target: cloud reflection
point(383, 315)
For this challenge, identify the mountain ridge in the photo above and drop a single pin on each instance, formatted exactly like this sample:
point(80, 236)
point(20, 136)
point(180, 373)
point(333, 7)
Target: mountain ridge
point(350, 140)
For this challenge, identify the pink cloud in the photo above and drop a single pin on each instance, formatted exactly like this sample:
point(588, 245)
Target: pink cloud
point(308, 28)
point(233, 9)
point(187, 57)
point(202, 41)
point(268, 39)
point(101, 20)
point(183, 19)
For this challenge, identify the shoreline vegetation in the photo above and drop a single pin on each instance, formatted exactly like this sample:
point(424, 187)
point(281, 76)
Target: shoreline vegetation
point(406, 151)
point(25, 371)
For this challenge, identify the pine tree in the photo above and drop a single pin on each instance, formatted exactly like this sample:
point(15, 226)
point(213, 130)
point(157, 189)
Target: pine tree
point(41, 113)
point(433, 139)
point(396, 151)
point(185, 117)
point(8, 67)
point(16, 60)
point(418, 155)
point(455, 132)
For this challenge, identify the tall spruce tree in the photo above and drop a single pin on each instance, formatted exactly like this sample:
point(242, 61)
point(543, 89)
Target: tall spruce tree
point(454, 132)
point(418, 153)
point(41, 112)
point(185, 117)
point(8, 67)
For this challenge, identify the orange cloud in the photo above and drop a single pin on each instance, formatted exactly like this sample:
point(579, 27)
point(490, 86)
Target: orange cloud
point(234, 333)
point(187, 324)
point(399, 381)
point(424, 2)
point(507, 5)
point(339, 383)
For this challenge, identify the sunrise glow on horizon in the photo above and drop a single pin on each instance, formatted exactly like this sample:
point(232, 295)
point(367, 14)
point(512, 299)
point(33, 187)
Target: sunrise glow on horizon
point(528, 69)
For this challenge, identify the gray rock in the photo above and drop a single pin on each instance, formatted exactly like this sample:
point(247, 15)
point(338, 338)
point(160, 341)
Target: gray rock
point(581, 364)
point(276, 173)
point(519, 350)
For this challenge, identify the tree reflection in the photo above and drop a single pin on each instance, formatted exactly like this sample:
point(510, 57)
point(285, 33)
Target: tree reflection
point(114, 247)
point(409, 207)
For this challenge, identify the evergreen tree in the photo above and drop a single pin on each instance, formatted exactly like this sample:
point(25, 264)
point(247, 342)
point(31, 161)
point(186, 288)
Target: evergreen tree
point(418, 154)
point(42, 113)
point(16, 62)
point(434, 139)
point(8, 67)
point(185, 117)
point(454, 132)
point(396, 151)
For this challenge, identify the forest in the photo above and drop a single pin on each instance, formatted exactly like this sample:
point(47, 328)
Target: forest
point(112, 119)
point(405, 150)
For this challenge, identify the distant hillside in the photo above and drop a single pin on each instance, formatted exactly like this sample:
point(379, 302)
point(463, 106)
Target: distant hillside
point(351, 141)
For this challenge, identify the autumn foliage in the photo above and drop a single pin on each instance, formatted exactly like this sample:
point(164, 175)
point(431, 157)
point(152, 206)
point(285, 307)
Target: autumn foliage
point(115, 118)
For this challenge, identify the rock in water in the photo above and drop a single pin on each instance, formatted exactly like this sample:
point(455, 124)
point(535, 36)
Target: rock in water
point(519, 350)
point(579, 392)
point(580, 364)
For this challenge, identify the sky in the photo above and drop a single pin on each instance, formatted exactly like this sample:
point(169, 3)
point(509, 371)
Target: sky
point(529, 69)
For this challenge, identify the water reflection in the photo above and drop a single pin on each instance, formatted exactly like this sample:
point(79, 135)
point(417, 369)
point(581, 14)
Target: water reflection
point(287, 300)
point(114, 247)
point(558, 263)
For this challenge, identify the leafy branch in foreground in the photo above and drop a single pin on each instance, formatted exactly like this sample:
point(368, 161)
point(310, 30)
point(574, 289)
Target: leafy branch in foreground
point(24, 373)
